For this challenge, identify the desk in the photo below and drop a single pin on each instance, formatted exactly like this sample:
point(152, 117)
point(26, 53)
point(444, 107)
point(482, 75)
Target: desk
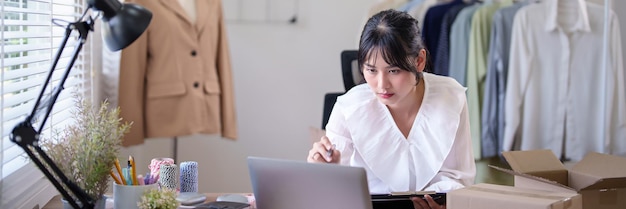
point(55, 202)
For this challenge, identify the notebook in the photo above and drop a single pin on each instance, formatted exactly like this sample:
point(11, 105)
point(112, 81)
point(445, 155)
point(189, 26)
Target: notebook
point(285, 184)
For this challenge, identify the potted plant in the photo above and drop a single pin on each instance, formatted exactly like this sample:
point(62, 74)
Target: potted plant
point(86, 150)
point(164, 198)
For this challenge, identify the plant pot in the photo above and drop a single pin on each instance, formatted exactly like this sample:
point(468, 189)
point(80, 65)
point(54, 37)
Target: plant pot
point(127, 197)
point(100, 204)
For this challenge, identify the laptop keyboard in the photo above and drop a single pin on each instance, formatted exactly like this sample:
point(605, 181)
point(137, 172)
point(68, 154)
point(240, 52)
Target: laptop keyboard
point(222, 205)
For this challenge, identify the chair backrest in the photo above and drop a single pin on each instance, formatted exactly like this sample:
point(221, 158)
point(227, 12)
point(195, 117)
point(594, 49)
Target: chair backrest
point(351, 77)
point(350, 69)
point(329, 103)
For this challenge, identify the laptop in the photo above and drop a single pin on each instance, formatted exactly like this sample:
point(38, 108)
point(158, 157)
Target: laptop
point(285, 184)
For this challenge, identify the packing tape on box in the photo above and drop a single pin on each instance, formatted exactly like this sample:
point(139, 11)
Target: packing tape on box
point(189, 176)
point(168, 176)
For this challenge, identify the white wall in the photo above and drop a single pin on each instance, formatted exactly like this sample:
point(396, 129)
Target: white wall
point(281, 73)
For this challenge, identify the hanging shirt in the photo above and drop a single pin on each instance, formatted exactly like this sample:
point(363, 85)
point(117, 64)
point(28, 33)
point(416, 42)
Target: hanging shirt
point(411, 4)
point(442, 57)
point(432, 28)
point(477, 65)
point(495, 83)
point(418, 12)
point(558, 93)
point(436, 155)
point(459, 42)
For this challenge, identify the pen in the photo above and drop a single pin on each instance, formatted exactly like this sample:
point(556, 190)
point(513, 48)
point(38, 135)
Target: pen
point(119, 170)
point(131, 162)
point(330, 151)
point(127, 177)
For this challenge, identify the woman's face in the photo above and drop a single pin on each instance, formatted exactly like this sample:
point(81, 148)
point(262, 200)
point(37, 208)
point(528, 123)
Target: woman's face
point(391, 84)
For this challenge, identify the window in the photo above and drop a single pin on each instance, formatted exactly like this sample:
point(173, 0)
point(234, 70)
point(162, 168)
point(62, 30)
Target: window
point(29, 40)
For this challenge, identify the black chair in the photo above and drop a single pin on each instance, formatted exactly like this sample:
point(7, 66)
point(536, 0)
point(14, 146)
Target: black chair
point(351, 77)
point(350, 69)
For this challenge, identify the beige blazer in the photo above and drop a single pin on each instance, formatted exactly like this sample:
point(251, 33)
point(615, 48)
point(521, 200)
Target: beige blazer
point(176, 78)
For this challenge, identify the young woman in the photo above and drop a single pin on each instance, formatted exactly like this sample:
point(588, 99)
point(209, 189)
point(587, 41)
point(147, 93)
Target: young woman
point(407, 128)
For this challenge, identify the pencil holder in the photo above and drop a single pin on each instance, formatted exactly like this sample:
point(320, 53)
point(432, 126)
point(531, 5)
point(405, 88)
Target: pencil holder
point(127, 197)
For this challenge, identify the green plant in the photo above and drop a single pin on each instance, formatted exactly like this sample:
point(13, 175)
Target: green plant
point(86, 150)
point(164, 198)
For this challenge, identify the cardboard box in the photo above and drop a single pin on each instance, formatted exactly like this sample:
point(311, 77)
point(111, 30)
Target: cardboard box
point(599, 178)
point(491, 196)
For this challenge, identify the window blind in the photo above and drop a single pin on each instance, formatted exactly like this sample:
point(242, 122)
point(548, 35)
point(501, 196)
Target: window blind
point(29, 42)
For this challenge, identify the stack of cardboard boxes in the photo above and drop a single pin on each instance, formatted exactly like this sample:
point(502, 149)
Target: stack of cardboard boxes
point(598, 181)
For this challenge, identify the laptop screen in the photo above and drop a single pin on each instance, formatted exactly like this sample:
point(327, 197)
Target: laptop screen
point(285, 184)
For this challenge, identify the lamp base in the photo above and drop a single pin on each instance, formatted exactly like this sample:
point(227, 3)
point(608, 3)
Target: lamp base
point(100, 203)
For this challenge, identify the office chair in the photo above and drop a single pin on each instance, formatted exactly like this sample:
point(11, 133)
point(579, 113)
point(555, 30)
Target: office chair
point(351, 77)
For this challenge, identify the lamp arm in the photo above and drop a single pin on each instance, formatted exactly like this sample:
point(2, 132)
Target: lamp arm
point(25, 135)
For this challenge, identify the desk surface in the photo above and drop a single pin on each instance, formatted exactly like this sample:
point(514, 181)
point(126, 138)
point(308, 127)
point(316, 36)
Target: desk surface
point(55, 203)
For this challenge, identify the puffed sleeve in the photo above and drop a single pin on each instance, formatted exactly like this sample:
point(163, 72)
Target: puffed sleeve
point(339, 134)
point(458, 169)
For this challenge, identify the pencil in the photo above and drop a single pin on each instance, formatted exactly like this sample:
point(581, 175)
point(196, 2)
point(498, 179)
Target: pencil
point(133, 170)
point(117, 181)
point(119, 170)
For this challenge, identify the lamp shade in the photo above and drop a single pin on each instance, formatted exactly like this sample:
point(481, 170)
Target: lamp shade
point(123, 23)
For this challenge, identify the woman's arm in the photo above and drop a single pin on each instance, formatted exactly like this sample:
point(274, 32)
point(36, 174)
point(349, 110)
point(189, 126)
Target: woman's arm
point(338, 133)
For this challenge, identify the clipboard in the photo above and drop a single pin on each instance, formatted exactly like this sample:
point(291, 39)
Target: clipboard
point(402, 200)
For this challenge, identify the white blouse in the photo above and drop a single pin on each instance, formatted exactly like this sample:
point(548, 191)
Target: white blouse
point(559, 95)
point(437, 154)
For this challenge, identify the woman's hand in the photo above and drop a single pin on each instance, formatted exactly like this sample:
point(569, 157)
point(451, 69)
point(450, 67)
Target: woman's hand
point(323, 152)
point(418, 203)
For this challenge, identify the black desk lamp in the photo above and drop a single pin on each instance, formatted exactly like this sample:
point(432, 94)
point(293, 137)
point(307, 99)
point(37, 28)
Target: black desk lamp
point(124, 24)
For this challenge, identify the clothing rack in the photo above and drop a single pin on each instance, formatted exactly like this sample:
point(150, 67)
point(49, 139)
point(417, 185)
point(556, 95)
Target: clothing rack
point(604, 23)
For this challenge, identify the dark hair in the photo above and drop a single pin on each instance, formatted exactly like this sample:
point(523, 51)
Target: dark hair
point(397, 36)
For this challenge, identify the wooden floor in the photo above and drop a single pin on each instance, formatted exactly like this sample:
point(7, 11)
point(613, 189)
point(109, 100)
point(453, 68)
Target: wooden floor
point(485, 174)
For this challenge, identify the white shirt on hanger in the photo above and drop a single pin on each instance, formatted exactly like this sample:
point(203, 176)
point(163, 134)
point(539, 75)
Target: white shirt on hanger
point(557, 90)
point(419, 11)
point(436, 155)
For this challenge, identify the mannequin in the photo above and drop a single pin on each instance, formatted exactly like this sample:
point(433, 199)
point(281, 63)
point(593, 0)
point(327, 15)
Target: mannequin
point(176, 79)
